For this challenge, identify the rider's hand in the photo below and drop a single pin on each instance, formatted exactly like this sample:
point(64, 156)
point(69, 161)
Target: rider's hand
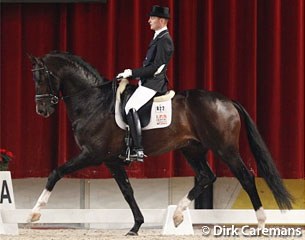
point(127, 73)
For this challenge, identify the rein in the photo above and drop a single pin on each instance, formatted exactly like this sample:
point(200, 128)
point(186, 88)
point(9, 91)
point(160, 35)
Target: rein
point(54, 98)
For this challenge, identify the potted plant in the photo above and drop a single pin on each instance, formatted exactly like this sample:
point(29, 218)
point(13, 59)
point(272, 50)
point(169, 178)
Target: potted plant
point(5, 158)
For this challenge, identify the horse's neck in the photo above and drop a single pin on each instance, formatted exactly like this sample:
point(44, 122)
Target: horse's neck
point(88, 102)
point(79, 89)
point(73, 76)
point(72, 84)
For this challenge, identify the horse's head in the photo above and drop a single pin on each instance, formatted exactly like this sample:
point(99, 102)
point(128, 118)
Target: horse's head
point(46, 87)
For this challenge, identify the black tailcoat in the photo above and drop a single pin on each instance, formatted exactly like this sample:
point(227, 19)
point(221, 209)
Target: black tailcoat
point(159, 52)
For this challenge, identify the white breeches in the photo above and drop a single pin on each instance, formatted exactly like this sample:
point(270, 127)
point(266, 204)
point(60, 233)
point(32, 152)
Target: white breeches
point(141, 96)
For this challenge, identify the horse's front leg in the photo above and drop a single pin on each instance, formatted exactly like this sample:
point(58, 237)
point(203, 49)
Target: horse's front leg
point(120, 176)
point(81, 161)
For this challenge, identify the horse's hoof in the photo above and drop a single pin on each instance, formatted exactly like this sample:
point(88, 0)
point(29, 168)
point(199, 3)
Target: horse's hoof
point(178, 219)
point(34, 217)
point(130, 233)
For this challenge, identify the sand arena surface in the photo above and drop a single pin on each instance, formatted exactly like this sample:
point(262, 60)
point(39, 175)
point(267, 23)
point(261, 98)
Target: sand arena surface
point(144, 233)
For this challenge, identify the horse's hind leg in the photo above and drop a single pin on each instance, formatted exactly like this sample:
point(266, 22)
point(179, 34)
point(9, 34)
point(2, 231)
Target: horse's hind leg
point(196, 156)
point(247, 181)
point(120, 176)
point(79, 162)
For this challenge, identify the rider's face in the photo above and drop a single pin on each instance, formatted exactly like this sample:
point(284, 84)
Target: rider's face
point(155, 23)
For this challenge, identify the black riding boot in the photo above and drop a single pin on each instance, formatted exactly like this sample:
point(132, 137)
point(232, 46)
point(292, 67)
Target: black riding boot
point(136, 133)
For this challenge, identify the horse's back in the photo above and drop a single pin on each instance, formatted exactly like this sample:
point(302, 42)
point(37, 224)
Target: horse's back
point(201, 94)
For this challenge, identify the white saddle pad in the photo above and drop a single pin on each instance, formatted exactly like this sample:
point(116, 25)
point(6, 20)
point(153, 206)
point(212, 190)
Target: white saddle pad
point(161, 111)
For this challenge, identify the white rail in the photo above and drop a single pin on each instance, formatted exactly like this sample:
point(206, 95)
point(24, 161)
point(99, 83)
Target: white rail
point(153, 216)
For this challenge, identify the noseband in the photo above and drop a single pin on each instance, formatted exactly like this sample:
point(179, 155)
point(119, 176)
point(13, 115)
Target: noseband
point(54, 99)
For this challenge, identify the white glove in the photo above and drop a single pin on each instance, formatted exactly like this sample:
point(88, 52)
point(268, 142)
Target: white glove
point(127, 73)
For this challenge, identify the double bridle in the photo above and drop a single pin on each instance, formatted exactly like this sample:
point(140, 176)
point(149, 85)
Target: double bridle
point(54, 99)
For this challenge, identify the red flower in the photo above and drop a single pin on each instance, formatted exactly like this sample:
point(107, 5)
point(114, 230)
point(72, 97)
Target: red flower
point(9, 154)
point(5, 155)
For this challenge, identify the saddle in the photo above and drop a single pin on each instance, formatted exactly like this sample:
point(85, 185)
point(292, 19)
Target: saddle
point(156, 113)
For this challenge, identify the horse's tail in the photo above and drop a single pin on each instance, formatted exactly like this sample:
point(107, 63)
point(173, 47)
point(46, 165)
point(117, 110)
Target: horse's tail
point(264, 161)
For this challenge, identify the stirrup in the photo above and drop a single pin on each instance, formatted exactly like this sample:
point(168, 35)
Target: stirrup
point(133, 155)
point(137, 155)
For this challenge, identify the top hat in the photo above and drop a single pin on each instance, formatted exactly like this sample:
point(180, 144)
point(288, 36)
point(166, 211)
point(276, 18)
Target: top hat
point(162, 12)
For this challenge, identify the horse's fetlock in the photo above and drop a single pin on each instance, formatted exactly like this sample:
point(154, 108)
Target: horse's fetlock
point(179, 209)
point(139, 220)
point(52, 179)
point(42, 203)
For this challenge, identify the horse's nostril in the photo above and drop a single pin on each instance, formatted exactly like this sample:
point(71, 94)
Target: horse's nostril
point(39, 111)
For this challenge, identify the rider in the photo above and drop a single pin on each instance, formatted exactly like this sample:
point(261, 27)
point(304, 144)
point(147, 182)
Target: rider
point(152, 75)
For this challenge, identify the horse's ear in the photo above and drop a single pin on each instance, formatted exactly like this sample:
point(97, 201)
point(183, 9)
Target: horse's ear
point(33, 59)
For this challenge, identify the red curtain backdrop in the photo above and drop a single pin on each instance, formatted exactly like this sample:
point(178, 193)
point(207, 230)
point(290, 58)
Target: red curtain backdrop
point(251, 51)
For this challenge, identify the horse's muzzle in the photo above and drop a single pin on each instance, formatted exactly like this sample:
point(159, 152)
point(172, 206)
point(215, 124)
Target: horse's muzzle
point(43, 110)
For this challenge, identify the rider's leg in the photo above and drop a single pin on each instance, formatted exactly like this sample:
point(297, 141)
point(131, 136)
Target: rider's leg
point(141, 96)
point(136, 134)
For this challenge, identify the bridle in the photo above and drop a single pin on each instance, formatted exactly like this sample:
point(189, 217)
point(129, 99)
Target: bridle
point(52, 96)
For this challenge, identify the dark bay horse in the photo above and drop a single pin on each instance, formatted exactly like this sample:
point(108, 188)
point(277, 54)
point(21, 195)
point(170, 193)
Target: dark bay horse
point(202, 121)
